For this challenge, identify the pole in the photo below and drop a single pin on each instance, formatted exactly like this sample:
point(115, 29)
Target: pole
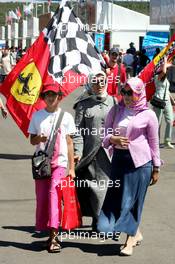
point(111, 34)
point(43, 8)
point(36, 9)
point(6, 18)
point(48, 7)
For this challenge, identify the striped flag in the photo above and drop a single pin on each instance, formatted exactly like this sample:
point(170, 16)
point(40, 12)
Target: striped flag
point(148, 73)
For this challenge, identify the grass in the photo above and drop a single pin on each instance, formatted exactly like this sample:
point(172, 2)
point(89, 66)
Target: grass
point(141, 7)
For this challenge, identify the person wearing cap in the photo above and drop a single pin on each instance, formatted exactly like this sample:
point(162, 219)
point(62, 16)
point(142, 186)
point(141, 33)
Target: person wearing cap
point(93, 163)
point(42, 124)
point(132, 132)
point(116, 74)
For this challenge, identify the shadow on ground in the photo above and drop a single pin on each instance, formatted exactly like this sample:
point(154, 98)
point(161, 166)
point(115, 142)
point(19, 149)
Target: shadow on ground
point(15, 156)
point(101, 249)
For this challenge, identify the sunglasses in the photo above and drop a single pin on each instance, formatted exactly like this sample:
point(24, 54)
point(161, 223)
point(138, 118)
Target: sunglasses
point(128, 93)
point(100, 82)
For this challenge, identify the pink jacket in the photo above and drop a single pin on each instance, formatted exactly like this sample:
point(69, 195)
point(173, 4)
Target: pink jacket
point(142, 132)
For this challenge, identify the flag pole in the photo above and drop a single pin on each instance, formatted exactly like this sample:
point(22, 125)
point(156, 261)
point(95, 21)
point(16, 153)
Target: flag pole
point(6, 18)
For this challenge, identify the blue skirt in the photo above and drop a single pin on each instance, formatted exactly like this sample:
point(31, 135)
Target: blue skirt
point(122, 208)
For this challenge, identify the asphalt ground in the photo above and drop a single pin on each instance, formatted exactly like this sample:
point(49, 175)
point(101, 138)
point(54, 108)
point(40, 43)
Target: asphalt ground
point(19, 243)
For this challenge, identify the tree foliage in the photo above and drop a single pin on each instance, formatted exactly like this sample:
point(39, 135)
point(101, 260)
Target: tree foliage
point(142, 7)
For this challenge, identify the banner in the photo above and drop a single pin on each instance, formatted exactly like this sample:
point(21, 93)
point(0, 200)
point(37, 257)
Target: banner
point(147, 74)
point(153, 40)
point(100, 41)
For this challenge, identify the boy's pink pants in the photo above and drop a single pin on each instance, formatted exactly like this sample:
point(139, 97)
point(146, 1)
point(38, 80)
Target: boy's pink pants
point(48, 200)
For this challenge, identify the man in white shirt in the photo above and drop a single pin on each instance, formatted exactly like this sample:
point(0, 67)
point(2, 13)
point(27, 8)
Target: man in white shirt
point(6, 63)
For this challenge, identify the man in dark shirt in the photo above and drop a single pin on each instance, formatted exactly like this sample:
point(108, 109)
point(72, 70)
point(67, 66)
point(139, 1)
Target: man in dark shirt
point(132, 49)
point(144, 60)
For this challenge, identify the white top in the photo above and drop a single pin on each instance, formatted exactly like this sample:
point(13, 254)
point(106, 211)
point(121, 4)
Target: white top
point(161, 88)
point(42, 123)
point(6, 65)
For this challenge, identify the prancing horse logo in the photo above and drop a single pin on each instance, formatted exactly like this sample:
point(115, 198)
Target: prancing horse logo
point(26, 88)
point(25, 82)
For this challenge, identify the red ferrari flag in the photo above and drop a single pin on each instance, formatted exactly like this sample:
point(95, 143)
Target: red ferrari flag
point(147, 74)
point(63, 53)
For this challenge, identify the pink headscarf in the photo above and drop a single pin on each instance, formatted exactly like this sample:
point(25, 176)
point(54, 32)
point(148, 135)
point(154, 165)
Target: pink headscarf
point(139, 94)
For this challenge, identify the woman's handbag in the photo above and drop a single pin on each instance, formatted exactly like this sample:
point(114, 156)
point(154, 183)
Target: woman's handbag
point(72, 217)
point(41, 161)
point(158, 102)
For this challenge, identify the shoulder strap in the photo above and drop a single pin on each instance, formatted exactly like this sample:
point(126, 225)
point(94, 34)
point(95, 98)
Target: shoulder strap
point(50, 147)
point(165, 91)
point(119, 77)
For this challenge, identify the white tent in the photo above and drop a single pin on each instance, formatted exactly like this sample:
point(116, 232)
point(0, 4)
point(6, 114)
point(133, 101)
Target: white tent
point(125, 25)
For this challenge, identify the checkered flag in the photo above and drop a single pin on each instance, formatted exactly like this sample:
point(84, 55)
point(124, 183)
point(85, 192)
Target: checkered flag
point(71, 47)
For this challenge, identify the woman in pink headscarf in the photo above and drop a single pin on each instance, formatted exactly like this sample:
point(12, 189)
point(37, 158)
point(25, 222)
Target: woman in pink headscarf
point(132, 132)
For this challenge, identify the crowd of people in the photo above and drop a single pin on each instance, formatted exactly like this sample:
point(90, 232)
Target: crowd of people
point(133, 60)
point(8, 59)
point(114, 138)
point(123, 66)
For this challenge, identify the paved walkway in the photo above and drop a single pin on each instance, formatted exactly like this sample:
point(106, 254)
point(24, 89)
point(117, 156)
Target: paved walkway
point(20, 244)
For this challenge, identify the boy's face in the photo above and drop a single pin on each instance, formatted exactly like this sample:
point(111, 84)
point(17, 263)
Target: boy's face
point(51, 99)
